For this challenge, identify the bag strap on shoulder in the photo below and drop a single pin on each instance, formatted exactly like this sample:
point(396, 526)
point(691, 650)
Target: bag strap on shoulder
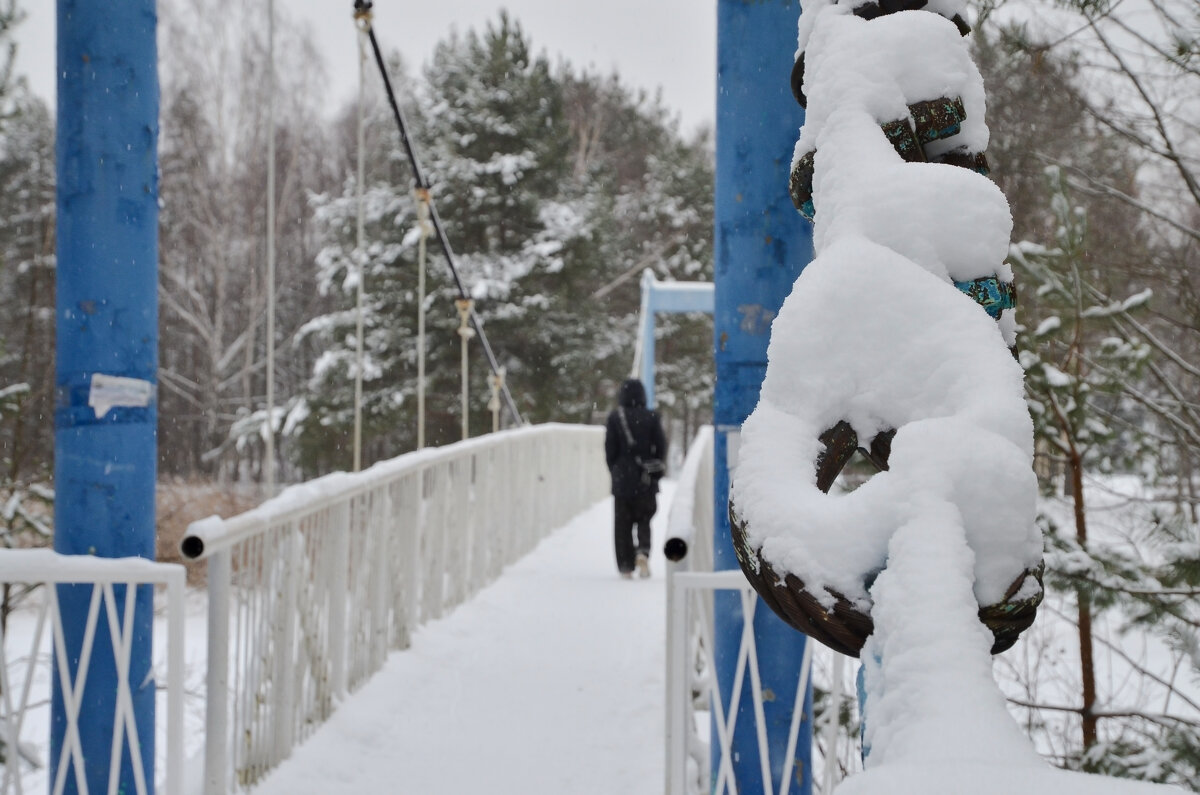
point(625, 426)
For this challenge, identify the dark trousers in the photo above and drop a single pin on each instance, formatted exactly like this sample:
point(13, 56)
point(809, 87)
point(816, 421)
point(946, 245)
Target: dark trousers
point(628, 512)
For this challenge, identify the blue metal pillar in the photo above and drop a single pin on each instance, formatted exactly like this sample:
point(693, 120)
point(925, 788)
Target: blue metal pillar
point(646, 338)
point(762, 244)
point(107, 352)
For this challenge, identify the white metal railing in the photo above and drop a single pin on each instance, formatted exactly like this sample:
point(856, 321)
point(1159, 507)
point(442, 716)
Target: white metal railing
point(693, 699)
point(26, 673)
point(688, 546)
point(310, 591)
point(700, 684)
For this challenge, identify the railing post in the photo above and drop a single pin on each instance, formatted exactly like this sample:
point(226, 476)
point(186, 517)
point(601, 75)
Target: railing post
point(452, 533)
point(677, 684)
point(285, 642)
point(338, 594)
point(409, 570)
point(434, 531)
point(497, 513)
point(175, 661)
point(380, 583)
point(216, 747)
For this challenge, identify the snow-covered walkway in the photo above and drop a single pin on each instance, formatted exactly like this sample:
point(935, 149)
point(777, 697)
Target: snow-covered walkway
point(549, 681)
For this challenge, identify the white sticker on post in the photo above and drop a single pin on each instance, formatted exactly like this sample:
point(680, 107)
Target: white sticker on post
point(111, 391)
point(733, 446)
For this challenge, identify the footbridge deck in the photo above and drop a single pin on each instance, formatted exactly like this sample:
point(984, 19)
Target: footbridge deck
point(548, 680)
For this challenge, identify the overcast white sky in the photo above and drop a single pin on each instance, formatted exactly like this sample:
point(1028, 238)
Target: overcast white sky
point(667, 44)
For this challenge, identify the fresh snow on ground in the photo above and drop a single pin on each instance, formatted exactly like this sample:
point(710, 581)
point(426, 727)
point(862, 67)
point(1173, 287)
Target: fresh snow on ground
point(551, 680)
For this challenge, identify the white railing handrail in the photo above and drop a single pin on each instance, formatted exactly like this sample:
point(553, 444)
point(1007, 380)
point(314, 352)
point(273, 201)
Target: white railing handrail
point(47, 568)
point(690, 517)
point(211, 534)
point(310, 591)
point(688, 547)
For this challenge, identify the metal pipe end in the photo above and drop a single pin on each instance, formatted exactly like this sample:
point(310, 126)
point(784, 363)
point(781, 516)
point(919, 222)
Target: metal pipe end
point(675, 549)
point(192, 547)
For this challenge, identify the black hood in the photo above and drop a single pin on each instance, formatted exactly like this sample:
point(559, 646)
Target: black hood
point(632, 394)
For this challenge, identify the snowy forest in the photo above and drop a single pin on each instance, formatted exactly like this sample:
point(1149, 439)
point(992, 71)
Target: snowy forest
point(558, 187)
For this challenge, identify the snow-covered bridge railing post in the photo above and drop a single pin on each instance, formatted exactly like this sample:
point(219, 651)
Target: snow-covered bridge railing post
point(310, 591)
point(688, 548)
point(26, 673)
point(691, 683)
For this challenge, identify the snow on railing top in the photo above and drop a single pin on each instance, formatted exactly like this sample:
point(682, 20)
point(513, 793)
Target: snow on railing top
point(26, 672)
point(48, 566)
point(206, 536)
point(681, 523)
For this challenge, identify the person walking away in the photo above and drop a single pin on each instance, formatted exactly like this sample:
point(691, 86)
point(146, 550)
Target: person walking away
point(636, 449)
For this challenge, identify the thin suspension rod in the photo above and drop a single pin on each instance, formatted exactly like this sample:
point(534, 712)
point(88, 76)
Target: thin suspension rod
point(270, 438)
point(360, 257)
point(362, 9)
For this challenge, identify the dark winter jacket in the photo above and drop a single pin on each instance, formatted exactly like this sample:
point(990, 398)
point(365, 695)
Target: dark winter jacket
point(648, 442)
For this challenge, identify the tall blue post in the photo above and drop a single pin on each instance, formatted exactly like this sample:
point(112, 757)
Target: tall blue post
point(762, 244)
point(107, 354)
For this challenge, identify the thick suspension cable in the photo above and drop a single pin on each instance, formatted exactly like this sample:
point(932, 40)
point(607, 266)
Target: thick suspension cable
point(362, 13)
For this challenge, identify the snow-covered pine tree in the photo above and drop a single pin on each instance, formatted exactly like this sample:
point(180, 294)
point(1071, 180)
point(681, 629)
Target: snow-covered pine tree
point(1082, 375)
point(648, 193)
point(1047, 111)
point(11, 15)
point(27, 325)
point(555, 189)
point(677, 212)
point(27, 329)
point(499, 150)
point(27, 292)
point(322, 420)
point(1076, 367)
